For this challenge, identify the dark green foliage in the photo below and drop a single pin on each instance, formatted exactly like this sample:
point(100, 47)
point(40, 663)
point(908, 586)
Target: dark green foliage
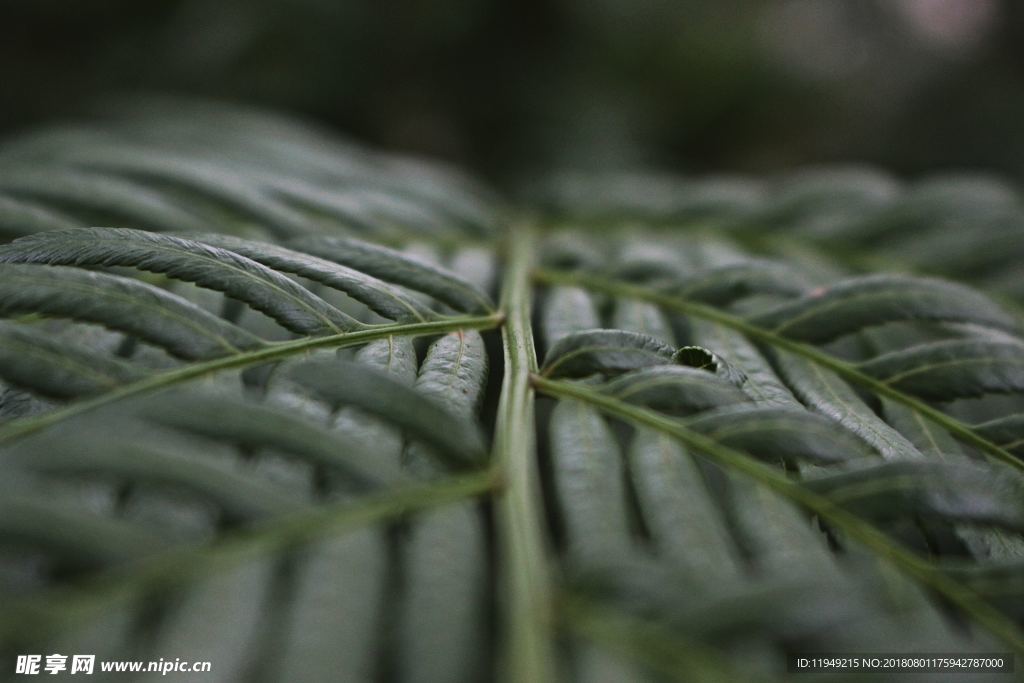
point(378, 296)
point(256, 425)
point(284, 433)
point(674, 389)
point(778, 433)
point(33, 359)
point(724, 284)
point(409, 272)
point(954, 492)
point(224, 271)
point(1007, 431)
point(608, 352)
point(948, 370)
point(454, 438)
point(856, 304)
point(122, 304)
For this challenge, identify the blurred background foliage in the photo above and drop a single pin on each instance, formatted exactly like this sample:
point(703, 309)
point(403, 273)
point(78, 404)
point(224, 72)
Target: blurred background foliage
point(507, 88)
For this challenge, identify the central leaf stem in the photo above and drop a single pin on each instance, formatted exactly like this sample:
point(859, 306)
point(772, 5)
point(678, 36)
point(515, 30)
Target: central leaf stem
point(526, 596)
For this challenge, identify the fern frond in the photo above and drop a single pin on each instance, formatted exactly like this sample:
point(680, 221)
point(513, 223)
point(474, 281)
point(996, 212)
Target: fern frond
point(237, 276)
point(230, 422)
point(123, 304)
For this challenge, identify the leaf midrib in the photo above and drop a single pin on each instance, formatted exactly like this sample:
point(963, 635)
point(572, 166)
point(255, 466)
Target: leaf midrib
point(279, 351)
point(163, 312)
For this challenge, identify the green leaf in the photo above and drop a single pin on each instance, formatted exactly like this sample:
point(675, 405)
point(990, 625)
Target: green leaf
point(337, 583)
point(571, 248)
point(206, 180)
point(259, 426)
point(679, 508)
point(32, 359)
point(477, 264)
point(607, 352)
point(378, 296)
point(588, 476)
point(640, 316)
point(825, 393)
point(942, 200)
point(1007, 431)
point(948, 370)
point(440, 637)
point(674, 389)
point(837, 195)
point(454, 438)
point(366, 209)
point(454, 372)
point(763, 385)
point(871, 300)
point(37, 520)
point(112, 198)
point(567, 310)
point(261, 466)
point(19, 217)
point(239, 277)
point(772, 480)
point(726, 284)
point(392, 266)
point(219, 618)
point(993, 242)
point(446, 577)
point(121, 304)
point(137, 457)
point(959, 492)
point(776, 535)
point(395, 356)
point(774, 434)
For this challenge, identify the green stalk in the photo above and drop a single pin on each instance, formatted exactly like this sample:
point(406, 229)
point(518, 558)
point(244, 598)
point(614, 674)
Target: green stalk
point(34, 617)
point(840, 367)
point(19, 428)
point(869, 536)
point(526, 599)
